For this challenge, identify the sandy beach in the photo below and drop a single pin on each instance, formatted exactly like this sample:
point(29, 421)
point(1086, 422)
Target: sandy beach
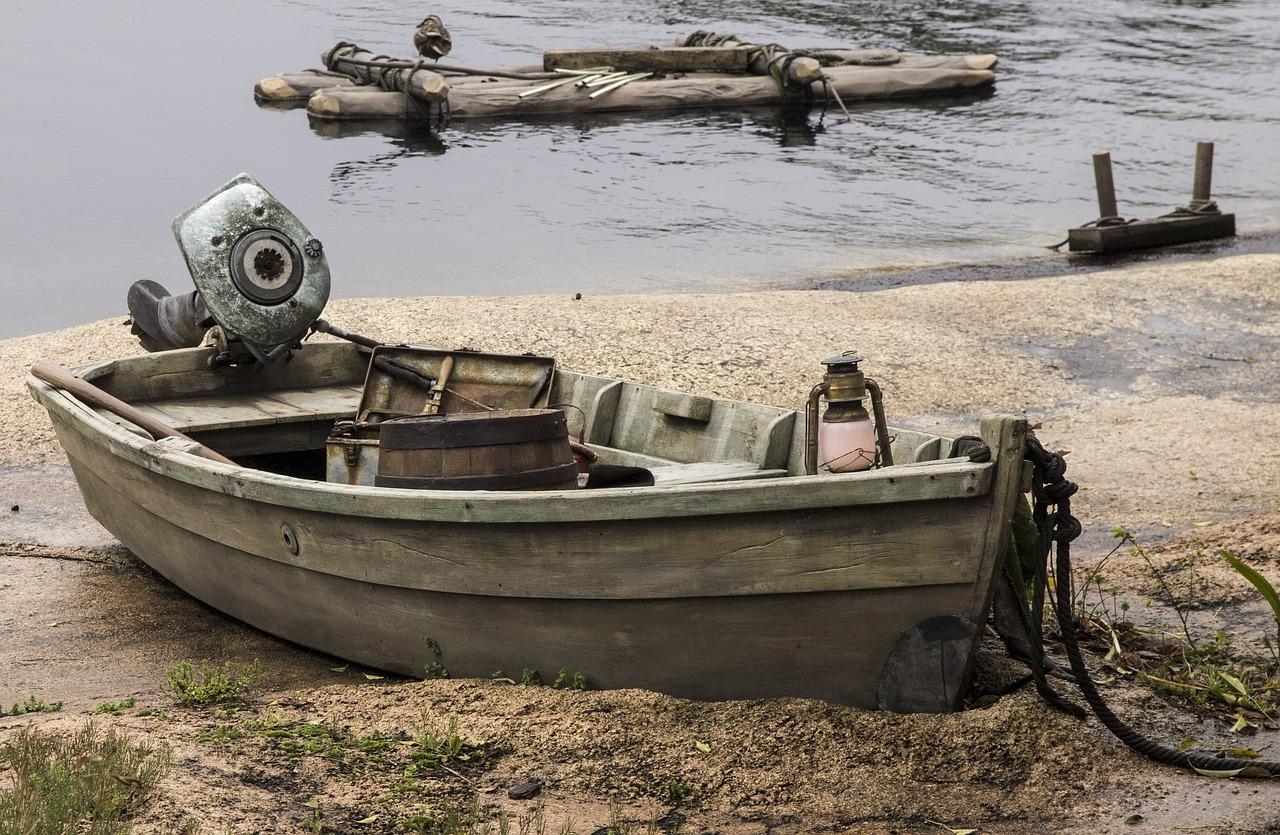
point(1159, 380)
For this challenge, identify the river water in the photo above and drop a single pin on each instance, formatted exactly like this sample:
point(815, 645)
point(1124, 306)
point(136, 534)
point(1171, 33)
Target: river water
point(121, 115)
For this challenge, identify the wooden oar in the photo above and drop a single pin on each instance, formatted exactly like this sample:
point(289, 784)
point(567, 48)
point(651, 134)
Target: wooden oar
point(56, 375)
point(325, 326)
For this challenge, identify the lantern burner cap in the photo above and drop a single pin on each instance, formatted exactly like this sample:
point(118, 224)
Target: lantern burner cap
point(842, 364)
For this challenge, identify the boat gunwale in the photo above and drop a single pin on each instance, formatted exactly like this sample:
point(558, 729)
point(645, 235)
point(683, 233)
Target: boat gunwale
point(902, 483)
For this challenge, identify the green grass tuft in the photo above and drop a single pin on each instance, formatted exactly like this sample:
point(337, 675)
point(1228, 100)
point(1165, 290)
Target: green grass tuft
point(83, 783)
point(211, 684)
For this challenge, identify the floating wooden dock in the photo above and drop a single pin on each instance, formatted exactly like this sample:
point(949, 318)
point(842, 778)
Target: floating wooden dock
point(358, 85)
point(1200, 220)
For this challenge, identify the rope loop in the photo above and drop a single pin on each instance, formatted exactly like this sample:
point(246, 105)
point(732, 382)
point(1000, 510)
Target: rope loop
point(1056, 492)
point(1065, 528)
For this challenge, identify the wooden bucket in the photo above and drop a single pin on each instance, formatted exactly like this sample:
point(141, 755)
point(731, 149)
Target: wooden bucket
point(510, 449)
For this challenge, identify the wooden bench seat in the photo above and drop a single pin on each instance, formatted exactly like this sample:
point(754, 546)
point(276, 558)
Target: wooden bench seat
point(710, 471)
point(197, 414)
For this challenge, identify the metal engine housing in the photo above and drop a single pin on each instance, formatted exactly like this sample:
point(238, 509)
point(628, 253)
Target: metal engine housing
point(262, 275)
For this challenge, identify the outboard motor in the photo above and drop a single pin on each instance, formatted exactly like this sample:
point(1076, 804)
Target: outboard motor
point(261, 278)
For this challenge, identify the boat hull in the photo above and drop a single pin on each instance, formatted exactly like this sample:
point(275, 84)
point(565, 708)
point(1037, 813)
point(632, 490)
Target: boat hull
point(741, 595)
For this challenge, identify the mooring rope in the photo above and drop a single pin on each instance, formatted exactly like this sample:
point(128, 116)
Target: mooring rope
point(777, 59)
point(1058, 527)
point(385, 72)
point(1107, 220)
point(825, 57)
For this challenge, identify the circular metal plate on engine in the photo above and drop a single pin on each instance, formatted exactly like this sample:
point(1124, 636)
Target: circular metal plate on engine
point(266, 266)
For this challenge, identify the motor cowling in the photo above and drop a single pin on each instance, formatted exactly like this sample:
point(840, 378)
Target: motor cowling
point(259, 273)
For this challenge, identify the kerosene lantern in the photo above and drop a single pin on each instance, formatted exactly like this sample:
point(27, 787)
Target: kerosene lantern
point(845, 440)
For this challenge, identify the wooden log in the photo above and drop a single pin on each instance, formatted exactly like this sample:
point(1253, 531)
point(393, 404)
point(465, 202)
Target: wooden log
point(1177, 228)
point(889, 58)
point(909, 62)
point(423, 85)
point(368, 68)
point(350, 60)
point(501, 99)
point(297, 86)
point(958, 62)
point(364, 103)
point(799, 71)
point(671, 59)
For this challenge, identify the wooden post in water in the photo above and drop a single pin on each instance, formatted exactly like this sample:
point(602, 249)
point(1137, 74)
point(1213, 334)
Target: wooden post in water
point(1199, 221)
point(1106, 186)
point(1201, 188)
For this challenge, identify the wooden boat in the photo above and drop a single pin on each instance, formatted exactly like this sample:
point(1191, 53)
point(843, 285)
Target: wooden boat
point(735, 575)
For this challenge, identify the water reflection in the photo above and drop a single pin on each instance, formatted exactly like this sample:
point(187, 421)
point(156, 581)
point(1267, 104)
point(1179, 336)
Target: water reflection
point(410, 138)
point(355, 175)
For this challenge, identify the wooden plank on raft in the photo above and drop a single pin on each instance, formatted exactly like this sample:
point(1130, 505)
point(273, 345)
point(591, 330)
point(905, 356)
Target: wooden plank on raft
point(670, 59)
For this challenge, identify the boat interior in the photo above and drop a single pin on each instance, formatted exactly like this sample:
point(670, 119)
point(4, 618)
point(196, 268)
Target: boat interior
point(317, 414)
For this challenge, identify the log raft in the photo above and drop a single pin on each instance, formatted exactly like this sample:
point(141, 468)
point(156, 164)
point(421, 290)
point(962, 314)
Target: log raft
point(492, 100)
point(686, 77)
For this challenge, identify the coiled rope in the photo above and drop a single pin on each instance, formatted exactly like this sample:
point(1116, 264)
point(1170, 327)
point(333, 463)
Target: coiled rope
point(1050, 489)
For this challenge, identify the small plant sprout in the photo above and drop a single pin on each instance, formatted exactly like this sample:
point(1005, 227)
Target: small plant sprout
point(115, 708)
point(32, 705)
point(211, 684)
point(435, 668)
point(1202, 670)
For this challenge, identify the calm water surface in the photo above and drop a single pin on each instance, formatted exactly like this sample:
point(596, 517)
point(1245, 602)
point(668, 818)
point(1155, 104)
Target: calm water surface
point(121, 115)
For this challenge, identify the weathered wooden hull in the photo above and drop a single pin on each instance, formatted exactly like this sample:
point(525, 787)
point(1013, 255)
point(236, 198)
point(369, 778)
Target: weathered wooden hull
point(865, 588)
